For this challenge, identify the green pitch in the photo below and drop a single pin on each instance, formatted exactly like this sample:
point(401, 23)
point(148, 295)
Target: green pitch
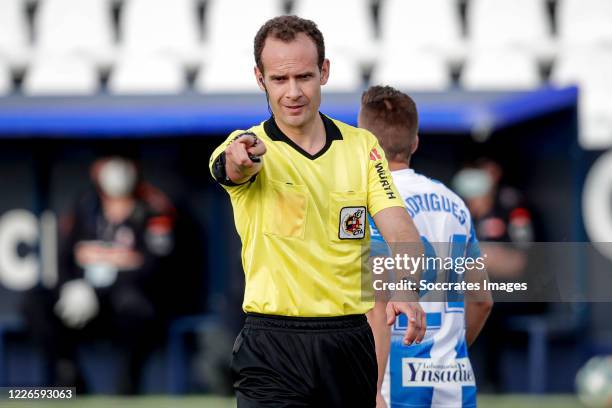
point(484, 401)
point(528, 401)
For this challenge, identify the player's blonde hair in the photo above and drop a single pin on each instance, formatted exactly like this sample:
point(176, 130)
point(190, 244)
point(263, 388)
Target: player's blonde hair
point(393, 118)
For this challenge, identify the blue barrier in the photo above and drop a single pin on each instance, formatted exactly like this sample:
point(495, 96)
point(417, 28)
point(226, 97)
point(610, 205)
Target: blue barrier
point(105, 116)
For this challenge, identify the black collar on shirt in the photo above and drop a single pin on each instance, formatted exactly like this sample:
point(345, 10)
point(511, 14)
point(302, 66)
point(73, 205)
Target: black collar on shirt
point(331, 133)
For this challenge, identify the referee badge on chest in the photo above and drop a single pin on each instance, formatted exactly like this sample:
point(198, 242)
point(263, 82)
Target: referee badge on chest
point(352, 223)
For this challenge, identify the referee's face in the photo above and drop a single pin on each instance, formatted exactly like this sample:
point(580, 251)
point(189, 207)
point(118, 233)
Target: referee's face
point(293, 80)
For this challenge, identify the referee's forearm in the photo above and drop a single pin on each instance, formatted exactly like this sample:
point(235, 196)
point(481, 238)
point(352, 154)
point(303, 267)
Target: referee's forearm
point(400, 233)
point(405, 240)
point(396, 226)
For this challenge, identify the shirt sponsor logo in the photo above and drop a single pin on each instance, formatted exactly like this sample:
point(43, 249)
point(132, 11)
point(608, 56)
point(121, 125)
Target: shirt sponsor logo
point(420, 372)
point(383, 178)
point(352, 223)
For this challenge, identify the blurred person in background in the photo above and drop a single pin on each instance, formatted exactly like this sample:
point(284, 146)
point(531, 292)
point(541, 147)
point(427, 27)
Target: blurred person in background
point(113, 273)
point(505, 229)
point(500, 215)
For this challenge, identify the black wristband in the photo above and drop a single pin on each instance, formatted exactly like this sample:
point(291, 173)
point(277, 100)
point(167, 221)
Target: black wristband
point(218, 170)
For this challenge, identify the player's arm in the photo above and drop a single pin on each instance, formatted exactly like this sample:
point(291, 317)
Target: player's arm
point(239, 159)
point(400, 233)
point(476, 314)
point(478, 303)
point(377, 318)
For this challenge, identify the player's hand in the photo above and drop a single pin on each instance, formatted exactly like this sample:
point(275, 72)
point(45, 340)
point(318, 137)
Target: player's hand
point(416, 320)
point(88, 252)
point(243, 157)
point(380, 401)
point(124, 259)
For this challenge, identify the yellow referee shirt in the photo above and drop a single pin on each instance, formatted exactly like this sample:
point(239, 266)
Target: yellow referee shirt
point(303, 220)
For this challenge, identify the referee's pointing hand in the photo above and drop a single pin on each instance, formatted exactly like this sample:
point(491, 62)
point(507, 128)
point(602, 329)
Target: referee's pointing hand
point(243, 157)
point(416, 319)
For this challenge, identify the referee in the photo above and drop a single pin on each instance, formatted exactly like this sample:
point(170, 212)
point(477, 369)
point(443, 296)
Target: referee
point(301, 185)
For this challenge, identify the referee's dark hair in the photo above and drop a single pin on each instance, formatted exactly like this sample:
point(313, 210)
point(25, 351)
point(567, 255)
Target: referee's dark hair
point(392, 117)
point(286, 28)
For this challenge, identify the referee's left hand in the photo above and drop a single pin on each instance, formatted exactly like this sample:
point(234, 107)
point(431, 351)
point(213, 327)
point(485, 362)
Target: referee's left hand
point(416, 320)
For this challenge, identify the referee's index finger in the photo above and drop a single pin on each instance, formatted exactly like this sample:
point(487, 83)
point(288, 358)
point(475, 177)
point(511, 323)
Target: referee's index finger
point(247, 139)
point(413, 325)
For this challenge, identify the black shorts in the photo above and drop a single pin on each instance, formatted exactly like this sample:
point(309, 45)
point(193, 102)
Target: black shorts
point(305, 362)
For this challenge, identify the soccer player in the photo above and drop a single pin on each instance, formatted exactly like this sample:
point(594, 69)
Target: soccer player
point(436, 372)
point(301, 185)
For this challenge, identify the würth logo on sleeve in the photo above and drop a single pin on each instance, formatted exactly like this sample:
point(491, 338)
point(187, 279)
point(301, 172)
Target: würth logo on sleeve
point(374, 155)
point(352, 223)
point(383, 178)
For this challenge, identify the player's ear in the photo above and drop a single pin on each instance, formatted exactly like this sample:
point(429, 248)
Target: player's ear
point(415, 145)
point(259, 79)
point(325, 71)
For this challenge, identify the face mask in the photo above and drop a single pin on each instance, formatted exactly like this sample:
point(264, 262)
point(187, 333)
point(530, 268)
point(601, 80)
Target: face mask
point(117, 178)
point(472, 183)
